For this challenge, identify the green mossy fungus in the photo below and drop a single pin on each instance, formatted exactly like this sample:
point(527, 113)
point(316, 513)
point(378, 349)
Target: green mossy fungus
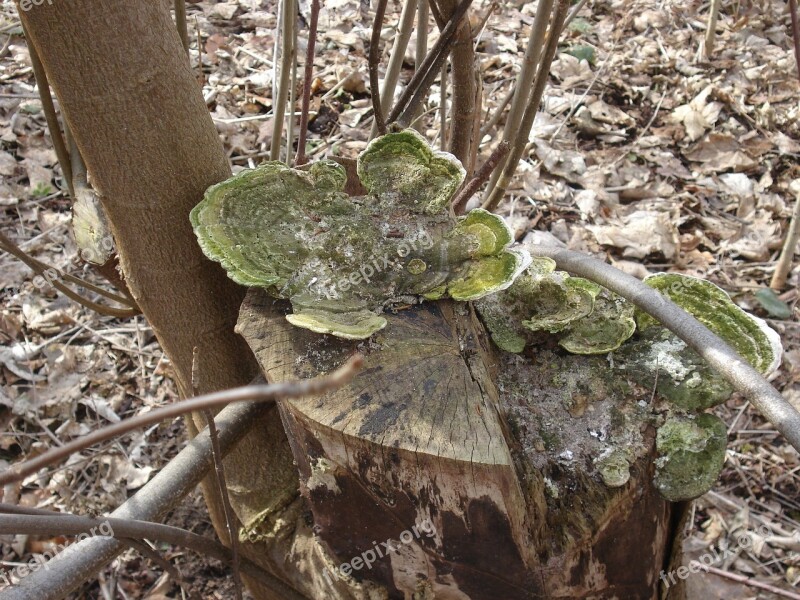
point(342, 260)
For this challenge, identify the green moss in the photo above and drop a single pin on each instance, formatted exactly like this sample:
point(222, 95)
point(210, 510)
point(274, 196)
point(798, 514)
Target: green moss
point(691, 456)
point(750, 336)
point(340, 260)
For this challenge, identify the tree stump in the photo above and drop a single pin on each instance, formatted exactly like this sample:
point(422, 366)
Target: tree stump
point(448, 469)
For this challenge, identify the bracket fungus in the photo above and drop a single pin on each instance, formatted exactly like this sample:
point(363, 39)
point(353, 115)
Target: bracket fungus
point(341, 260)
point(591, 320)
point(691, 455)
point(588, 318)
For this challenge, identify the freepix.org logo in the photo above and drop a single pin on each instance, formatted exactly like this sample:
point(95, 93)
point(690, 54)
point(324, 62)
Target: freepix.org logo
point(26, 5)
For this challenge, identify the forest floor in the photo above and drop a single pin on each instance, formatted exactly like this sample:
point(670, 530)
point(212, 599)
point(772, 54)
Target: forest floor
point(646, 153)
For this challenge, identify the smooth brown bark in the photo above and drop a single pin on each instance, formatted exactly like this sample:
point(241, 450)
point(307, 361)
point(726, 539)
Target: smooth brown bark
point(147, 139)
point(464, 110)
point(139, 120)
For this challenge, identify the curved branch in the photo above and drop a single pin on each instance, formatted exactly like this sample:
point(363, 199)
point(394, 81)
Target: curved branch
point(259, 393)
point(40, 268)
point(68, 524)
point(737, 371)
point(82, 560)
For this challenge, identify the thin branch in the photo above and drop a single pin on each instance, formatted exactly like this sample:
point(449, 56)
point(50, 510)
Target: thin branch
point(523, 133)
point(67, 524)
point(467, 191)
point(219, 475)
point(421, 50)
point(787, 252)
point(784, 264)
point(307, 74)
point(404, 27)
point(748, 581)
point(180, 23)
point(374, 60)
point(426, 73)
point(711, 28)
point(522, 89)
point(279, 100)
point(498, 113)
point(442, 106)
point(259, 393)
point(465, 90)
point(82, 560)
point(574, 13)
point(49, 110)
point(42, 269)
point(725, 361)
point(292, 92)
point(144, 549)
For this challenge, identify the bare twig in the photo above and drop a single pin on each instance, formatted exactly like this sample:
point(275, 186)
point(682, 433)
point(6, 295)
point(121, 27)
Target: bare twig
point(43, 269)
point(442, 106)
point(498, 113)
point(406, 24)
point(421, 50)
point(82, 560)
point(68, 524)
point(522, 89)
point(180, 23)
point(711, 28)
point(259, 393)
point(707, 344)
point(426, 73)
point(469, 188)
point(574, 13)
point(219, 475)
point(748, 581)
point(784, 264)
point(290, 114)
point(465, 88)
point(49, 110)
point(307, 75)
point(374, 60)
point(523, 133)
point(279, 100)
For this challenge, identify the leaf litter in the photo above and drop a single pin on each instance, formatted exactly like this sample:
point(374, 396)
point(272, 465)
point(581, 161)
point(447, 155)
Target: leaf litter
point(645, 153)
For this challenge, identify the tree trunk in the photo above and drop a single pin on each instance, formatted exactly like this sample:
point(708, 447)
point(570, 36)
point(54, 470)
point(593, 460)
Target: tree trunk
point(149, 144)
point(138, 117)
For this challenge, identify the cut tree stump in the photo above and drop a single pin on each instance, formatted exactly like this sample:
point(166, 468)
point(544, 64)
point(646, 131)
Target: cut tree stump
point(468, 470)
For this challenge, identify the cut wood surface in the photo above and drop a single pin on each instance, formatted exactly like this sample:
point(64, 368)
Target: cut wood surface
point(435, 445)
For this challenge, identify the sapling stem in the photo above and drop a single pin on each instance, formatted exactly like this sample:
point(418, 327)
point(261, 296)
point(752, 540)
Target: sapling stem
point(399, 46)
point(307, 75)
point(374, 60)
